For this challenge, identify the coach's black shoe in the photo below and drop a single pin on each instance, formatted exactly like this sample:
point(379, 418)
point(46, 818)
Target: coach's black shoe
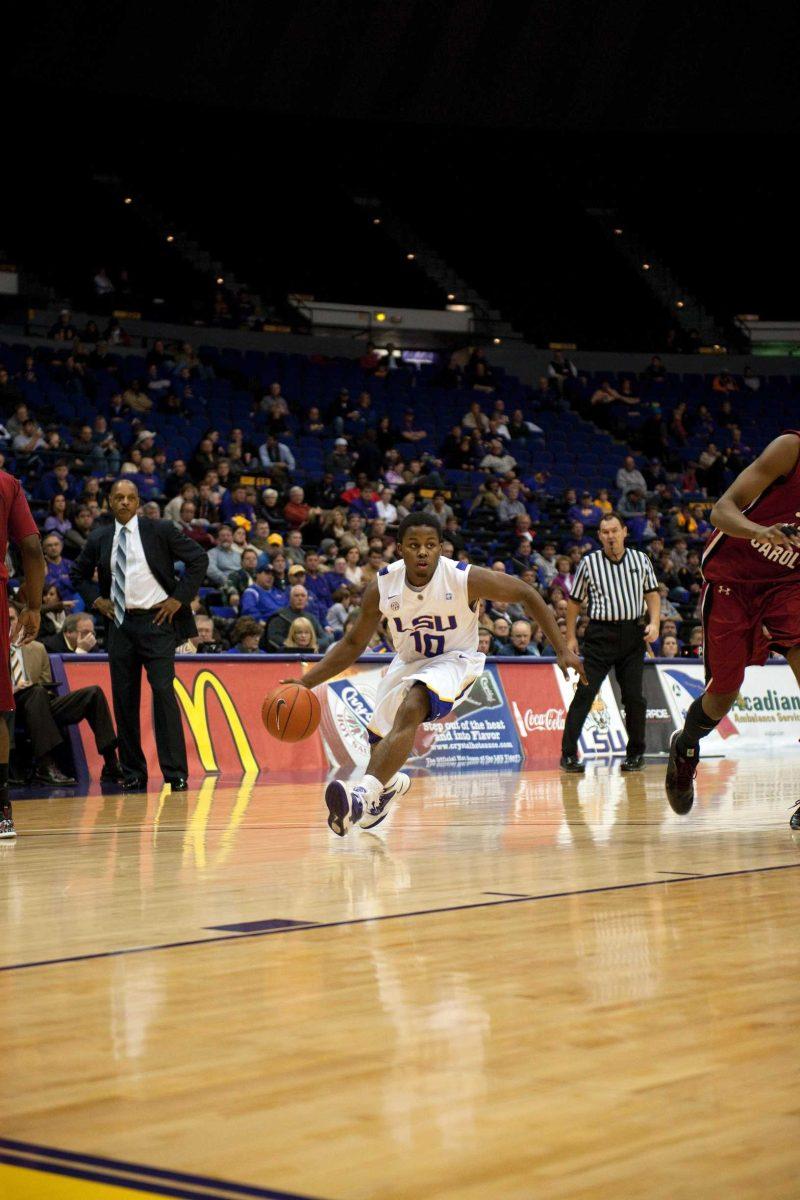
point(178, 785)
point(794, 819)
point(49, 773)
point(112, 773)
point(133, 783)
point(681, 770)
point(570, 763)
point(632, 762)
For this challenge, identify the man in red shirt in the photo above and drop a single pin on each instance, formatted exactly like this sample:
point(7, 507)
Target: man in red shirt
point(297, 512)
point(16, 525)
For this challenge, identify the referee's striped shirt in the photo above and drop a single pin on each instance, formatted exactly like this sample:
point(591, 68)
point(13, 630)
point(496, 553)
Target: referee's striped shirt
point(615, 589)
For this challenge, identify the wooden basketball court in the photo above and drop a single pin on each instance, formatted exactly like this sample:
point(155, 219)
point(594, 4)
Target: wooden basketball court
point(532, 985)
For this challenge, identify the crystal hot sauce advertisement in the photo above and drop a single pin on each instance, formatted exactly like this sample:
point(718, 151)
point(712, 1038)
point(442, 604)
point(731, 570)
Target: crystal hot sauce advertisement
point(479, 732)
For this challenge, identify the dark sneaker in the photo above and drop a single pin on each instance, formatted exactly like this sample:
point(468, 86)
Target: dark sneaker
point(633, 762)
point(794, 819)
point(570, 763)
point(345, 803)
point(681, 770)
point(7, 830)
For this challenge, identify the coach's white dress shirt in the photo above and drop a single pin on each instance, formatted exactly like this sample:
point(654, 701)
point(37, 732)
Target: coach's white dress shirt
point(142, 589)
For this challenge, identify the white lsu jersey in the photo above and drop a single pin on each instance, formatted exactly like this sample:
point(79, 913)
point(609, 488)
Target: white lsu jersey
point(433, 620)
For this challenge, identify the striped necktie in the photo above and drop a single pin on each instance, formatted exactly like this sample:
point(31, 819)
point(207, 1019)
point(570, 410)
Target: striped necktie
point(118, 581)
point(17, 668)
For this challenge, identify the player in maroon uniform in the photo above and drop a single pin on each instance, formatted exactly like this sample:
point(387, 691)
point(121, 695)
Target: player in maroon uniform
point(16, 524)
point(750, 601)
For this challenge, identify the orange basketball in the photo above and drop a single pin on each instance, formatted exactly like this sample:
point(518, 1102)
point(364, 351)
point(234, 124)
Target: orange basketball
point(291, 713)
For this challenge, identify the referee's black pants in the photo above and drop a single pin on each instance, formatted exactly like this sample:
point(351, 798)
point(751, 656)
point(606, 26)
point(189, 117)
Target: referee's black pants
point(607, 644)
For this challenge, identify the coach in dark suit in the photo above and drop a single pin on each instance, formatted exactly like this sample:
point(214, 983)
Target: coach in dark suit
point(147, 611)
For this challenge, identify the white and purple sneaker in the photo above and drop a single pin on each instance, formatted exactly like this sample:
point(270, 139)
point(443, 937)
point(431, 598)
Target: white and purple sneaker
point(345, 803)
point(379, 809)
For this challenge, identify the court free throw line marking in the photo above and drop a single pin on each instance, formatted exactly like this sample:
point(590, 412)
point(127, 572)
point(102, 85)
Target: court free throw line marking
point(154, 1180)
point(284, 929)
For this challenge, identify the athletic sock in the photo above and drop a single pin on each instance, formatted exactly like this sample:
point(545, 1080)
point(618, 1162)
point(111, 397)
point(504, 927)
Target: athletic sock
point(696, 726)
point(373, 787)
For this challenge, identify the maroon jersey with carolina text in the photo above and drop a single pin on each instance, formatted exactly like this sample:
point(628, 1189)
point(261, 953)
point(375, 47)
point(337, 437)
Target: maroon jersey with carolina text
point(16, 521)
point(728, 559)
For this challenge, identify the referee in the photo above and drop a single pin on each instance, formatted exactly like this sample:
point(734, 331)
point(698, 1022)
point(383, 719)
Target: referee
point(619, 583)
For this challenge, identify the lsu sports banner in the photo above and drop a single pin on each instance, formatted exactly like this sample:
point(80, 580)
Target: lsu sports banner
point(512, 716)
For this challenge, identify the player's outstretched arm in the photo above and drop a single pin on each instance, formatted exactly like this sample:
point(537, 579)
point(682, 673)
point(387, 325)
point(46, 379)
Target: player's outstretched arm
point(495, 585)
point(779, 458)
point(344, 653)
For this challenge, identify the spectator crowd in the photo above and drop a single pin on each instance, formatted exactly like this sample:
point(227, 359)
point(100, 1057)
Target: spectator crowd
point(294, 537)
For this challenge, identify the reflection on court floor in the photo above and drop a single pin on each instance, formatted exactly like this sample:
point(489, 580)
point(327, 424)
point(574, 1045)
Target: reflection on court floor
point(530, 984)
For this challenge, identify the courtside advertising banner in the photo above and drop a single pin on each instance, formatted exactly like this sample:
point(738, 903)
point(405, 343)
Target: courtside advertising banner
point(513, 715)
point(220, 698)
point(604, 733)
point(660, 722)
point(479, 732)
point(766, 712)
point(537, 707)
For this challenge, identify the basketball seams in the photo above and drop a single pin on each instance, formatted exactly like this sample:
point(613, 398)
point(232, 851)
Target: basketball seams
point(288, 734)
point(289, 713)
point(312, 711)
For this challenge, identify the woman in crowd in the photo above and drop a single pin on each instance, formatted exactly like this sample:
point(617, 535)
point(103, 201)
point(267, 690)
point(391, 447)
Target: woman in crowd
point(245, 636)
point(57, 520)
point(302, 637)
point(354, 572)
point(564, 576)
point(55, 610)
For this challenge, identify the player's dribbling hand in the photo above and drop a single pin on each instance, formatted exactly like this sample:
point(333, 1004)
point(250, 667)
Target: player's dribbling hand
point(569, 661)
point(299, 682)
point(28, 623)
point(780, 535)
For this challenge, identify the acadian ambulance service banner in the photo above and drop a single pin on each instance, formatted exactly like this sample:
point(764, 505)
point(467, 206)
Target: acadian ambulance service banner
point(766, 713)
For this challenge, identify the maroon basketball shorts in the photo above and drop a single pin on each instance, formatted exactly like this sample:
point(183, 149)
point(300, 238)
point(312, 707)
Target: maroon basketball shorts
point(742, 622)
point(6, 689)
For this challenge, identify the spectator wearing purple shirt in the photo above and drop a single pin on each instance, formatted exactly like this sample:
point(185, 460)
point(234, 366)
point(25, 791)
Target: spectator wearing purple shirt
point(57, 567)
point(318, 582)
point(586, 511)
point(297, 574)
point(262, 599)
point(235, 504)
point(58, 482)
point(148, 481)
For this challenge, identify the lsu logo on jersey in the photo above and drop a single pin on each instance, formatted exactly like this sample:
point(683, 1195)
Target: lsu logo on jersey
point(434, 624)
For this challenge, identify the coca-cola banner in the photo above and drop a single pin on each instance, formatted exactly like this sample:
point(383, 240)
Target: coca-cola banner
point(537, 708)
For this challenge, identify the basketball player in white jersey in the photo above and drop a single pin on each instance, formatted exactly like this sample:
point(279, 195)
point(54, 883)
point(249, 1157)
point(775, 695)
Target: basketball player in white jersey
point(430, 603)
